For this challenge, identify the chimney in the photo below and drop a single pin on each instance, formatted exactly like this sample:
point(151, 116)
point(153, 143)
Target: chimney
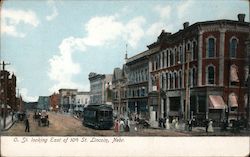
point(241, 17)
point(185, 25)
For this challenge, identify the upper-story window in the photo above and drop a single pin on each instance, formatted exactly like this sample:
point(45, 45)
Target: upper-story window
point(210, 75)
point(171, 58)
point(167, 62)
point(233, 47)
point(163, 58)
point(194, 51)
point(211, 47)
point(180, 79)
point(181, 55)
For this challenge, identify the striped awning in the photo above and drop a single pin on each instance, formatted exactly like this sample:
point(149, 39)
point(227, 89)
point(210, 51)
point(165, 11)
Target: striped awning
point(216, 102)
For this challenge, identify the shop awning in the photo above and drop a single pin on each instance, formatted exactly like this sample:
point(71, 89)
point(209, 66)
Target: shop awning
point(233, 74)
point(232, 100)
point(216, 102)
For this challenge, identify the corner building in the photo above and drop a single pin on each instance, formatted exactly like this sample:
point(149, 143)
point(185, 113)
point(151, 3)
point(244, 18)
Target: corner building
point(217, 71)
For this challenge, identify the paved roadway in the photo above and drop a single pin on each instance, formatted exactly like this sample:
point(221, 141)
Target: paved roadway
point(66, 125)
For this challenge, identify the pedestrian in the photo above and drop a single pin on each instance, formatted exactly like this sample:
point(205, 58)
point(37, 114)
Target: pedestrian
point(190, 125)
point(206, 124)
point(27, 125)
point(177, 123)
point(173, 123)
point(117, 126)
point(167, 124)
point(122, 125)
point(210, 126)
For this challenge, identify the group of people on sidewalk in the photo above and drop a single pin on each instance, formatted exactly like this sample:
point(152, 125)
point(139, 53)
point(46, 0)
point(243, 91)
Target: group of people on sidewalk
point(122, 125)
point(176, 125)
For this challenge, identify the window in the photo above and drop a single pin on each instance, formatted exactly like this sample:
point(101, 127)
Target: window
point(194, 50)
point(194, 76)
point(167, 59)
point(175, 80)
point(181, 55)
point(171, 58)
point(163, 59)
point(167, 80)
point(233, 47)
point(211, 47)
point(210, 75)
point(180, 79)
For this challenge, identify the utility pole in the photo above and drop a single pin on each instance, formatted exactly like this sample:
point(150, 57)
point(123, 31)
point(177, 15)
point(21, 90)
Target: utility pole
point(4, 93)
point(187, 114)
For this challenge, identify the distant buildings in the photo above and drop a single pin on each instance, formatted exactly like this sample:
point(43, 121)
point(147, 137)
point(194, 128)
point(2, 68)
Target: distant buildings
point(31, 106)
point(67, 99)
point(100, 88)
point(54, 102)
point(43, 103)
point(82, 100)
point(72, 101)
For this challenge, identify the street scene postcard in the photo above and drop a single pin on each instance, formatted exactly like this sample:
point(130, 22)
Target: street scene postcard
point(125, 78)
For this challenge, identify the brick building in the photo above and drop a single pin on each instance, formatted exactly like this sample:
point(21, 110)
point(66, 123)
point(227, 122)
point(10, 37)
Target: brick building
point(7, 91)
point(213, 53)
point(54, 101)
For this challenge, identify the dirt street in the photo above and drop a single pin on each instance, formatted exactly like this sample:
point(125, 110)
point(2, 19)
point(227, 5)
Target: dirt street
point(66, 125)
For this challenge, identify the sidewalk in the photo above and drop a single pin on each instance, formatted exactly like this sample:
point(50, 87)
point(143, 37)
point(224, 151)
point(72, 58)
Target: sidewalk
point(9, 123)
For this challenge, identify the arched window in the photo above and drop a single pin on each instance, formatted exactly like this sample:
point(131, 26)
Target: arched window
point(194, 76)
point(194, 50)
point(171, 80)
point(210, 75)
point(167, 81)
point(180, 79)
point(175, 80)
point(181, 55)
point(171, 58)
point(233, 47)
point(211, 47)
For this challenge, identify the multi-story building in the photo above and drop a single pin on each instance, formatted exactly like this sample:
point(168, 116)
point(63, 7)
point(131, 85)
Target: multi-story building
point(100, 88)
point(54, 102)
point(82, 100)
point(7, 91)
point(137, 84)
point(43, 103)
point(119, 91)
point(200, 70)
point(67, 100)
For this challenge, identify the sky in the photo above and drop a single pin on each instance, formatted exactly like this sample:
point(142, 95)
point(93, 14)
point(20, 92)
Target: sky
point(53, 44)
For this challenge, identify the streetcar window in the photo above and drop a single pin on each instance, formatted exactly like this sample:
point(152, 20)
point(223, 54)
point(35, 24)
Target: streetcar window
point(102, 113)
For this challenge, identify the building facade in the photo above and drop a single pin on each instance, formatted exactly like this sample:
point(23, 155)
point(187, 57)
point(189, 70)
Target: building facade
point(200, 71)
point(54, 102)
point(137, 84)
point(67, 100)
point(43, 103)
point(100, 88)
point(7, 92)
point(82, 100)
point(119, 96)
